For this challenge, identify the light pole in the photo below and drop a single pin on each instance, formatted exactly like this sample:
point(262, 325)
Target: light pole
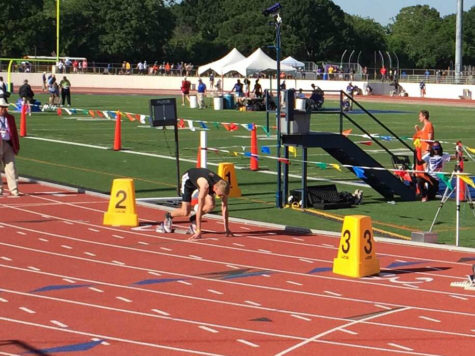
point(458, 41)
point(57, 30)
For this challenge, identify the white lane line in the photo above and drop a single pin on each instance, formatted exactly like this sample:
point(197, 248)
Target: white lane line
point(459, 297)
point(6, 258)
point(400, 346)
point(3, 300)
point(43, 239)
point(382, 306)
point(96, 289)
point(118, 262)
point(332, 293)
point(118, 237)
point(265, 275)
point(215, 291)
point(238, 245)
point(90, 254)
point(105, 343)
point(233, 267)
point(298, 239)
point(93, 230)
point(165, 249)
point(58, 323)
point(195, 257)
point(429, 319)
point(264, 251)
point(252, 303)
point(26, 310)
point(161, 312)
point(205, 328)
point(248, 343)
point(245, 228)
point(185, 283)
point(154, 273)
point(143, 243)
point(21, 233)
point(294, 283)
point(67, 247)
point(68, 222)
point(328, 245)
point(305, 260)
point(69, 280)
point(33, 268)
point(349, 332)
point(300, 317)
point(124, 299)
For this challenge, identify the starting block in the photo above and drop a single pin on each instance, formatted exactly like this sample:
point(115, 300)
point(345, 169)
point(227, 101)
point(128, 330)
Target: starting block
point(122, 208)
point(226, 171)
point(356, 253)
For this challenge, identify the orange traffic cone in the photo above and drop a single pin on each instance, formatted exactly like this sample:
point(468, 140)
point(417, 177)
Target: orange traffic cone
point(23, 120)
point(117, 137)
point(254, 162)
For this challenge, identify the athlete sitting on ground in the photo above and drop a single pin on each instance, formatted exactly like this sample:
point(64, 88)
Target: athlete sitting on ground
point(208, 184)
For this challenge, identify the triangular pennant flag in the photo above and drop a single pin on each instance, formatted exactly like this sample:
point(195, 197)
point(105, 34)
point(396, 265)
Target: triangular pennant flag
point(59, 112)
point(84, 111)
point(203, 125)
point(404, 137)
point(467, 180)
point(236, 154)
point(68, 111)
point(321, 165)
point(190, 125)
point(143, 119)
point(181, 124)
point(444, 179)
point(138, 117)
point(73, 111)
point(129, 116)
point(359, 172)
point(249, 126)
point(266, 131)
point(336, 166)
point(346, 132)
point(216, 124)
point(265, 150)
point(92, 113)
point(284, 160)
point(386, 138)
point(247, 154)
point(99, 113)
point(106, 114)
point(112, 114)
point(293, 150)
point(226, 126)
point(470, 149)
point(367, 143)
point(233, 127)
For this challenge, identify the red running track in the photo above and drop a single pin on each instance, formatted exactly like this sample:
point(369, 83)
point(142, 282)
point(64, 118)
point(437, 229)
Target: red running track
point(70, 285)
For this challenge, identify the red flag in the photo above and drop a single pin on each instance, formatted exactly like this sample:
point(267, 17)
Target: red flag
point(226, 126)
point(284, 160)
point(181, 124)
point(99, 113)
point(367, 143)
point(92, 113)
point(59, 111)
point(129, 116)
point(233, 127)
point(346, 132)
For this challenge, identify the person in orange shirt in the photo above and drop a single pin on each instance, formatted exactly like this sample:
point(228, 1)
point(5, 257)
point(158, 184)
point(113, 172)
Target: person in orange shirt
point(426, 137)
point(426, 133)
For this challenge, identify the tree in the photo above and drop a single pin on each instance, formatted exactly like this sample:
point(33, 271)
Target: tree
point(417, 35)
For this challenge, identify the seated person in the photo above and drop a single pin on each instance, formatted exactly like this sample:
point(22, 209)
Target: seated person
point(317, 98)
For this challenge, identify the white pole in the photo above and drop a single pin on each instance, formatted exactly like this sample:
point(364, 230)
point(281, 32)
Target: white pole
point(203, 148)
point(457, 218)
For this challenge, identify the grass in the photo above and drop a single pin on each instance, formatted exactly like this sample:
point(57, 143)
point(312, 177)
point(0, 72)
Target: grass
point(147, 152)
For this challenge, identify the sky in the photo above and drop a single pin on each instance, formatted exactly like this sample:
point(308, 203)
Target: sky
point(383, 11)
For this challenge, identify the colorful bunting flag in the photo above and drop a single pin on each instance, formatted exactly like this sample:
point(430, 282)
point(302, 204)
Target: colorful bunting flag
point(444, 179)
point(92, 113)
point(336, 166)
point(467, 180)
point(321, 165)
point(265, 150)
point(346, 132)
point(359, 172)
point(293, 150)
point(59, 112)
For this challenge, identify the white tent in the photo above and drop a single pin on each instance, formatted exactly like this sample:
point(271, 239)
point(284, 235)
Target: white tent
point(256, 62)
point(232, 57)
point(291, 61)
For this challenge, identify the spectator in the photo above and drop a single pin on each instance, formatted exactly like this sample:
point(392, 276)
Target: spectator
point(9, 147)
point(185, 90)
point(43, 77)
point(26, 94)
point(65, 85)
point(257, 89)
point(422, 87)
point(201, 94)
point(4, 93)
point(211, 81)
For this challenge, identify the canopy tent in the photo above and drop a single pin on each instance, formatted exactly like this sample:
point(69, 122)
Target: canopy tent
point(256, 62)
point(232, 57)
point(291, 61)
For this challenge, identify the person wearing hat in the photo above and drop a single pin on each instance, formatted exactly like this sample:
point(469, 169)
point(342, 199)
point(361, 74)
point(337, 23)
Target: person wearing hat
point(9, 147)
point(26, 94)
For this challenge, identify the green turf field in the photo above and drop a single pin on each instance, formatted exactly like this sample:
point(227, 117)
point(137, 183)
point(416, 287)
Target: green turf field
point(50, 152)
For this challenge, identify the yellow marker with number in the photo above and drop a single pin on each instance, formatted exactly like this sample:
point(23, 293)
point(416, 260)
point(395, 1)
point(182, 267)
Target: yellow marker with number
point(356, 253)
point(226, 171)
point(122, 210)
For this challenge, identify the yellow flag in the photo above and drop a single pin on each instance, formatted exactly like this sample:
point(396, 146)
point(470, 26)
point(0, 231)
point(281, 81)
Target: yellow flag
point(336, 166)
point(468, 181)
point(293, 150)
point(471, 149)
